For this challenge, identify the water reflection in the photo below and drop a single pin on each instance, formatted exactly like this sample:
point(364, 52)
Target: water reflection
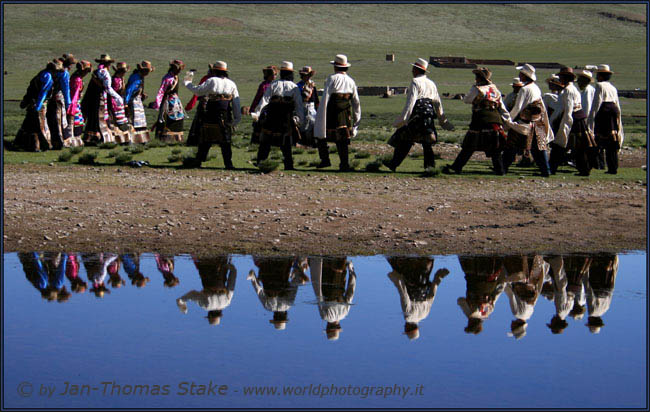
point(577, 285)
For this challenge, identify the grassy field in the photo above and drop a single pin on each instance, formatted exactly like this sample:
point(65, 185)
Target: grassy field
point(249, 37)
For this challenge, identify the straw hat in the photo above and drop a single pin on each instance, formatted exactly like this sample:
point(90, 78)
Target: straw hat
point(145, 65)
point(421, 64)
point(567, 71)
point(219, 65)
point(528, 71)
point(516, 81)
point(554, 79)
point(121, 67)
point(341, 60)
point(483, 71)
point(177, 64)
point(287, 66)
point(105, 59)
point(584, 73)
point(307, 70)
point(603, 68)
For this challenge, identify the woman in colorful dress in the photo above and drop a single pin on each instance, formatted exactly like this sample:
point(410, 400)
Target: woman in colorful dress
point(122, 130)
point(169, 126)
point(34, 134)
point(134, 95)
point(76, 121)
point(57, 118)
point(95, 104)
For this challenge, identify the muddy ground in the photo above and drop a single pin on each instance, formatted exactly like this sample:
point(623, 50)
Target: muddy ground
point(95, 209)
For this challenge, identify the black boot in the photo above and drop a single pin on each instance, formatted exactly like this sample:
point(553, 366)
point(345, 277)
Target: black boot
point(324, 154)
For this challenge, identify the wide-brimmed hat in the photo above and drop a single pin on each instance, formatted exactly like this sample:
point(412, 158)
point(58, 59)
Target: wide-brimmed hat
point(121, 67)
point(528, 71)
point(484, 72)
point(421, 64)
point(219, 65)
point(145, 65)
point(604, 68)
point(554, 79)
point(584, 73)
point(105, 58)
point(286, 66)
point(516, 81)
point(307, 70)
point(69, 59)
point(55, 64)
point(271, 68)
point(84, 65)
point(567, 71)
point(177, 64)
point(341, 60)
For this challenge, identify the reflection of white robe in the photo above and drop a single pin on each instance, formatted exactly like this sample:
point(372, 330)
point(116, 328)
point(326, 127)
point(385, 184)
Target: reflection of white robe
point(211, 301)
point(598, 305)
point(330, 311)
point(277, 303)
point(337, 83)
point(563, 300)
point(414, 311)
point(519, 307)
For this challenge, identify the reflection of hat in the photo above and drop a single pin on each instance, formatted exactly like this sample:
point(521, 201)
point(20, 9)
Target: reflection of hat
point(279, 320)
point(341, 60)
point(518, 328)
point(594, 323)
point(516, 82)
point(219, 65)
point(603, 68)
point(105, 58)
point(421, 64)
point(333, 330)
point(145, 65)
point(528, 71)
point(483, 71)
point(214, 317)
point(557, 325)
point(307, 70)
point(288, 66)
point(411, 330)
point(567, 71)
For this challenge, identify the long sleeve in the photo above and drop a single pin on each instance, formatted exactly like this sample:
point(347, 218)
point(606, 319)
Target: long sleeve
point(135, 80)
point(236, 107)
point(75, 89)
point(522, 96)
point(232, 278)
point(411, 97)
point(352, 285)
point(258, 95)
point(299, 109)
point(190, 105)
point(595, 106)
point(64, 81)
point(320, 123)
point(194, 296)
point(567, 119)
point(471, 95)
point(200, 90)
point(47, 82)
point(263, 102)
point(356, 111)
point(164, 85)
point(105, 77)
point(398, 281)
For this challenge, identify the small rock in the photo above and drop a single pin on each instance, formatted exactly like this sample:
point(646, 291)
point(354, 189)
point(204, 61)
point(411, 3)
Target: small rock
point(46, 237)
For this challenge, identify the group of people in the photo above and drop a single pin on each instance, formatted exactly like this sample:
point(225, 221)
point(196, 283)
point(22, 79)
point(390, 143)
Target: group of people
point(577, 285)
point(580, 124)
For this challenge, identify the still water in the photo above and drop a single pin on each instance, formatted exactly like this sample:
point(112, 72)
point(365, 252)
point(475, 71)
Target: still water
point(147, 330)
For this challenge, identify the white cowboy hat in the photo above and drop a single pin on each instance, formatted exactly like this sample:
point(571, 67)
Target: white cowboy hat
point(516, 81)
point(584, 73)
point(341, 60)
point(219, 65)
point(421, 64)
point(603, 68)
point(288, 66)
point(528, 70)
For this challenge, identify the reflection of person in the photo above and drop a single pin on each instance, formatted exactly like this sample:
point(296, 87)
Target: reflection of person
point(77, 284)
point(277, 286)
point(46, 272)
point(485, 282)
point(328, 278)
point(97, 271)
point(523, 288)
point(562, 297)
point(165, 265)
point(577, 268)
point(599, 287)
point(416, 292)
point(218, 277)
point(114, 277)
point(131, 264)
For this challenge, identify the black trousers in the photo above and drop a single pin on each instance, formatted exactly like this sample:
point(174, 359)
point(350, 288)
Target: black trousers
point(465, 154)
point(341, 148)
point(402, 150)
point(226, 152)
point(611, 156)
point(557, 158)
point(265, 148)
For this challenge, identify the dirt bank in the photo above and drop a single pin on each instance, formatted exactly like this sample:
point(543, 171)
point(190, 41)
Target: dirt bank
point(207, 211)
